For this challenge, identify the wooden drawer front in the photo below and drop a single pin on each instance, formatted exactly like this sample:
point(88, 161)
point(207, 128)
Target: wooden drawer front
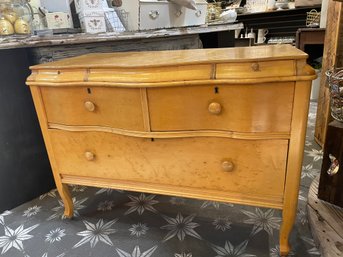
point(152, 74)
point(242, 108)
point(255, 69)
point(259, 166)
point(112, 107)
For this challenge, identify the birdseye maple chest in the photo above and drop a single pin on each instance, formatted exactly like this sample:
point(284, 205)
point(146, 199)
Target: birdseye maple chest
point(216, 124)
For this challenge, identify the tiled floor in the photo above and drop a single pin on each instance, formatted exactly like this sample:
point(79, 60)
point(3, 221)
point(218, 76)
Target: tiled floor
point(126, 224)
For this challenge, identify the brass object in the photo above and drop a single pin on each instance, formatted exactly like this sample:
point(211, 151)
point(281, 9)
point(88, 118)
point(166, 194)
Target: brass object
point(6, 27)
point(22, 27)
point(10, 15)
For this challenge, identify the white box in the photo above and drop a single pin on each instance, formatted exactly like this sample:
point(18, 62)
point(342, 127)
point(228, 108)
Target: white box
point(130, 8)
point(182, 16)
point(35, 4)
point(39, 22)
point(153, 14)
point(59, 20)
point(88, 5)
point(92, 21)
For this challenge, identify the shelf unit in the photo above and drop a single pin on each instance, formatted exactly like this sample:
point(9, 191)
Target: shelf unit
point(280, 23)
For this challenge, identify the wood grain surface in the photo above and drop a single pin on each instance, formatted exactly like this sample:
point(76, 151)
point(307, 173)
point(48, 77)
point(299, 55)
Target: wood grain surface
point(191, 162)
point(333, 56)
point(294, 161)
point(119, 108)
point(178, 58)
point(326, 222)
point(244, 108)
point(218, 124)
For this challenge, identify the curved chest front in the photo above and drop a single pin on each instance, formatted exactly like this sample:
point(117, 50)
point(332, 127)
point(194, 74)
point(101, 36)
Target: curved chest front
point(218, 128)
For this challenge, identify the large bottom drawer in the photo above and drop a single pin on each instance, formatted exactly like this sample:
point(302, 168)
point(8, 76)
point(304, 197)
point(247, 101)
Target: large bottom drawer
point(220, 164)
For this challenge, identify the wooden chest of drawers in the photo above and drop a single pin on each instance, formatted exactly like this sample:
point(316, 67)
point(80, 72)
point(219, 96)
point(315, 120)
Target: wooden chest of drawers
point(219, 124)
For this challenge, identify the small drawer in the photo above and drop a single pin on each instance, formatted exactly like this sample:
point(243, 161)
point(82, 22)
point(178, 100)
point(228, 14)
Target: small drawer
point(240, 108)
point(259, 69)
point(97, 106)
point(182, 16)
point(151, 74)
point(196, 17)
point(154, 14)
point(217, 164)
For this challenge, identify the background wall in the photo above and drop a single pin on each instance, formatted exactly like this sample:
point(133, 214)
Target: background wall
point(24, 167)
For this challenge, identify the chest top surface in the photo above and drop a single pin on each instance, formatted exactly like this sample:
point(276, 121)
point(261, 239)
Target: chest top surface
point(177, 57)
point(176, 68)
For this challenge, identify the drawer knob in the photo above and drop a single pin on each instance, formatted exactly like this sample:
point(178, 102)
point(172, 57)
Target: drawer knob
point(178, 13)
point(227, 166)
point(154, 14)
point(215, 108)
point(89, 156)
point(255, 66)
point(90, 106)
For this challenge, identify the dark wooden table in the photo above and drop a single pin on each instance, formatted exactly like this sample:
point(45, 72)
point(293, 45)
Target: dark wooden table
point(309, 36)
point(331, 185)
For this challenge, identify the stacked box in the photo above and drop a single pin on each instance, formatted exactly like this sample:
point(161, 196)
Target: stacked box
point(92, 15)
point(57, 14)
point(59, 20)
point(153, 14)
point(92, 21)
point(88, 5)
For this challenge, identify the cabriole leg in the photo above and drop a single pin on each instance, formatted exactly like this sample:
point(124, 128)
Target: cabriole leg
point(285, 231)
point(63, 190)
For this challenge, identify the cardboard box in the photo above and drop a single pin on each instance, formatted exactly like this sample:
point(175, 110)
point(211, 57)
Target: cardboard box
point(59, 20)
point(92, 21)
point(88, 5)
point(39, 22)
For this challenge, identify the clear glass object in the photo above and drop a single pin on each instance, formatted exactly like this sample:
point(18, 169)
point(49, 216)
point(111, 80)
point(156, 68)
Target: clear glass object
point(15, 18)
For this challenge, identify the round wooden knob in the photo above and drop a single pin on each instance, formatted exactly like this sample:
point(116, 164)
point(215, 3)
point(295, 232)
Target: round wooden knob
point(90, 106)
point(89, 156)
point(215, 108)
point(227, 166)
point(255, 66)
